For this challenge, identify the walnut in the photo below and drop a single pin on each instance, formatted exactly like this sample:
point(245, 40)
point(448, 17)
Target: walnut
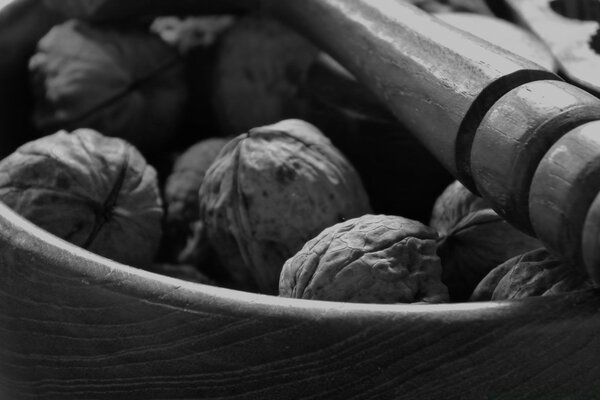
point(370, 259)
point(535, 273)
point(94, 191)
point(183, 228)
point(474, 239)
point(259, 73)
point(269, 191)
point(123, 82)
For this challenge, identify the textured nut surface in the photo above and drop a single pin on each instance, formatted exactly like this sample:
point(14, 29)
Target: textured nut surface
point(474, 239)
point(94, 191)
point(370, 259)
point(535, 273)
point(269, 192)
point(181, 196)
point(453, 205)
point(122, 82)
point(259, 71)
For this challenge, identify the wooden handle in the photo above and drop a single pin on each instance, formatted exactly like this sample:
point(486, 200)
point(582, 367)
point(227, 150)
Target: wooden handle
point(515, 135)
point(489, 116)
point(438, 80)
point(563, 188)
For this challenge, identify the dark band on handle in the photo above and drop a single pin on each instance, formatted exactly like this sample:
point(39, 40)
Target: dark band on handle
point(476, 113)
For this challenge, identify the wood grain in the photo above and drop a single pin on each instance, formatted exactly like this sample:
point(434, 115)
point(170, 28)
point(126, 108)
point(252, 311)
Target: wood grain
point(504, 34)
point(77, 326)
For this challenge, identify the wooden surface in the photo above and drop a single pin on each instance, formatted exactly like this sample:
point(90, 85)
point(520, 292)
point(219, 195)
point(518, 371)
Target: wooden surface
point(76, 326)
point(590, 239)
point(504, 34)
point(563, 188)
point(514, 136)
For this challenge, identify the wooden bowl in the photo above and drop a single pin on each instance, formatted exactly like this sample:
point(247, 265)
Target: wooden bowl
point(74, 325)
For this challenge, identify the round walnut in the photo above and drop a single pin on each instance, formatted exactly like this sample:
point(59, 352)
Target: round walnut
point(183, 228)
point(259, 73)
point(474, 239)
point(123, 82)
point(94, 191)
point(370, 259)
point(535, 273)
point(271, 190)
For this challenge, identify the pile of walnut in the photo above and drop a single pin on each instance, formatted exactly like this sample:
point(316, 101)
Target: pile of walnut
point(208, 149)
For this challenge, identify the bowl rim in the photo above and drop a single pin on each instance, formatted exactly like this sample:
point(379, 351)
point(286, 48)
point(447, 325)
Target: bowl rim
point(25, 239)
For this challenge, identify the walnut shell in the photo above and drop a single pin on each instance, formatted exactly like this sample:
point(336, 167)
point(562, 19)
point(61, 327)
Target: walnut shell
point(258, 76)
point(370, 259)
point(535, 273)
point(271, 190)
point(123, 82)
point(474, 239)
point(94, 191)
point(182, 201)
